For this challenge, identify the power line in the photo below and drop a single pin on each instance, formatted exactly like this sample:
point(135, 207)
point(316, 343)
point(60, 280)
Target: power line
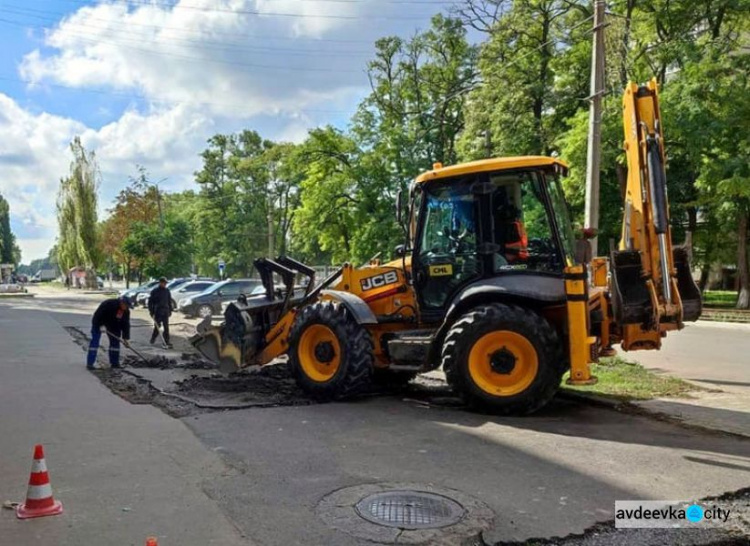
point(37, 14)
point(258, 13)
point(157, 100)
point(229, 46)
point(223, 61)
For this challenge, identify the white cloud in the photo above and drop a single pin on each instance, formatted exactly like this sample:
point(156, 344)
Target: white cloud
point(34, 155)
point(310, 25)
point(195, 72)
point(211, 59)
point(32, 159)
point(32, 249)
point(167, 142)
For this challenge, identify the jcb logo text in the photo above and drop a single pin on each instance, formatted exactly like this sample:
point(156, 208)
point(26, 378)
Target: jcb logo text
point(378, 280)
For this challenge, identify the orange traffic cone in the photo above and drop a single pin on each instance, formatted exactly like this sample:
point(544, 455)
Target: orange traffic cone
point(39, 500)
point(151, 541)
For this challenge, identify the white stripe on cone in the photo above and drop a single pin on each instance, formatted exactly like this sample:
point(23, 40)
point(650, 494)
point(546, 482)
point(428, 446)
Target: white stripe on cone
point(38, 466)
point(38, 492)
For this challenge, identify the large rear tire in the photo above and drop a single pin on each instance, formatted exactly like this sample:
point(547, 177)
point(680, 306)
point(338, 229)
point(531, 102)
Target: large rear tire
point(503, 358)
point(330, 355)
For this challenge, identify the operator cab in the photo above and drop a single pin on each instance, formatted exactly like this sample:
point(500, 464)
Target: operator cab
point(486, 220)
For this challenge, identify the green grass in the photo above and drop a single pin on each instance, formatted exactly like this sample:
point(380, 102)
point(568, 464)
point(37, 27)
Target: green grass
point(720, 298)
point(626, 381)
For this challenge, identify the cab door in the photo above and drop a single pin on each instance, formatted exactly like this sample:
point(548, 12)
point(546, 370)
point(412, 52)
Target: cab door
point(445, 253)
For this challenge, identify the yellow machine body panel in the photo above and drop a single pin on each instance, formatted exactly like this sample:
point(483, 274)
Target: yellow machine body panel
point(488, 165)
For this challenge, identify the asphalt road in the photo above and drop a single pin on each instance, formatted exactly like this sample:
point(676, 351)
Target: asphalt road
point(260, 474)
point(711, 353)
point(122, 471)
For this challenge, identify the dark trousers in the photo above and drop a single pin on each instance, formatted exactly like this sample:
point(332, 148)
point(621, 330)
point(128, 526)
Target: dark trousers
point(114, 348)
point(163, 321)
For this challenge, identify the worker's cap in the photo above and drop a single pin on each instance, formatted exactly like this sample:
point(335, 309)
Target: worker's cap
point(162, 280)
point(127, 301)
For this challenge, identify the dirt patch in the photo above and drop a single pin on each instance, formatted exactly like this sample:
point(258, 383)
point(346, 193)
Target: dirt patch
point(184, 384)
point(269, 386)
point(140, 391)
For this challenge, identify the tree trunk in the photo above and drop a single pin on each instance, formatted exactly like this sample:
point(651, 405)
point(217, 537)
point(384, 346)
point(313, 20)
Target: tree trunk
point(705, 271)
point(271, 234)
point(127, 276)
point(692, 213)
point(91, 281)
point(743, 268)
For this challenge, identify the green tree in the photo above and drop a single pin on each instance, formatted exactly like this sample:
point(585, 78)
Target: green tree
point(415, 112)
point(9, 251)
point(533, 68)
point(708, 108)
point(77, 214)
point(231, 223)
point(160, 249)
point(138, 202)
point(411, 119)
point(327, 220)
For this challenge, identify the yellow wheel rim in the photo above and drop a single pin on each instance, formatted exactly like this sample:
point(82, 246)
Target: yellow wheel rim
point(503, 363)
point(319, 353)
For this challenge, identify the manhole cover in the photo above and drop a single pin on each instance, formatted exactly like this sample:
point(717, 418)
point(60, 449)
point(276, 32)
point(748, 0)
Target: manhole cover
point(410, 510)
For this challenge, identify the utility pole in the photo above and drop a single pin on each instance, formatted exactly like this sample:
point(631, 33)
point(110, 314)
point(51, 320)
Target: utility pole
point(158, 202)
point(593, 163)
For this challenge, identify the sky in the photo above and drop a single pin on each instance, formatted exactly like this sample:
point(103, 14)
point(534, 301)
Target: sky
point(147, 82)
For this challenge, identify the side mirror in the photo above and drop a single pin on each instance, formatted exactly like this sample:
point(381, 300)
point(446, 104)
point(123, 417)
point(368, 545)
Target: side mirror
point(400, 251)
point(399, 206)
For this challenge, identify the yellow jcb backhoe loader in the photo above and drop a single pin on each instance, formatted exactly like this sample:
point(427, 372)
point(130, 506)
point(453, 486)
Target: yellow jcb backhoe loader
point(486, 286)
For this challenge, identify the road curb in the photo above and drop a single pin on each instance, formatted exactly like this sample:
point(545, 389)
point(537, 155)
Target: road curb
point(636, 409)
point(592, 399)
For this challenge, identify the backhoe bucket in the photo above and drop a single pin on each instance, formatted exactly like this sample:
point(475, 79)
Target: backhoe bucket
point(692, 304)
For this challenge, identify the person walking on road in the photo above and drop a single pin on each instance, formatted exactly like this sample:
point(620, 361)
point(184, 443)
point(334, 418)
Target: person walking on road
point(160, 308)
point(112, 315)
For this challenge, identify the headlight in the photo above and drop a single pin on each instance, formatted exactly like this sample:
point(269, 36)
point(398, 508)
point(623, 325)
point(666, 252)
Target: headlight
point(185, 302)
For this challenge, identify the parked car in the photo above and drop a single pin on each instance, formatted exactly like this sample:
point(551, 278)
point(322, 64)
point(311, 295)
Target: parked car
point(258, 290)
point(144, 288)
point(173, 285)
point(188, 289)
point(208, 302)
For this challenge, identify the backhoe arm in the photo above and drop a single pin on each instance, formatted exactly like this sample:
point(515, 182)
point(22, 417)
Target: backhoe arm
point(652, 288)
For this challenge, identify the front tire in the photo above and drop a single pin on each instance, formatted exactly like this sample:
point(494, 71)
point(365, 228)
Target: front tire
point(205, 311)
point(330, 355)
point(503, 358)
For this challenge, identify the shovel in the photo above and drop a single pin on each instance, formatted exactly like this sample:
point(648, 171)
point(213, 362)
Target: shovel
point(126, 344)
point(164, 343)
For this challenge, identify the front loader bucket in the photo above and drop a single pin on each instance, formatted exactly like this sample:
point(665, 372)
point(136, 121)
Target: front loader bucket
point(209, 341)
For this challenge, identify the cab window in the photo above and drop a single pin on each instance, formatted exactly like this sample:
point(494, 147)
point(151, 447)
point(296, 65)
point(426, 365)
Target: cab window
point(524, 238)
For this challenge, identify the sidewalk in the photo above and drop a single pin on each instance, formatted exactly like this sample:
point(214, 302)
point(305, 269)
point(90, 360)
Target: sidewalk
point(714, 356)
point(123, 472)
